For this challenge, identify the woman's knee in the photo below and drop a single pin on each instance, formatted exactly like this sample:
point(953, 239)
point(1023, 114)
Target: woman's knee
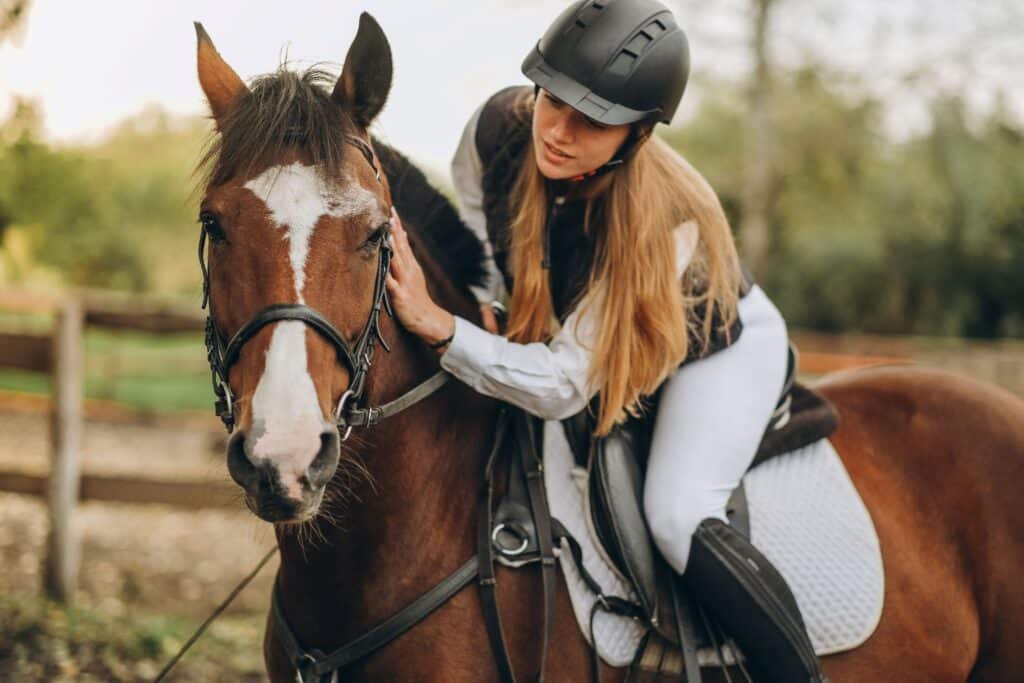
point(673, 515)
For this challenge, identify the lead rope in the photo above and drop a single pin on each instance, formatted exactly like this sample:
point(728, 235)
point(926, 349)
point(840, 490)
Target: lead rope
point(216, 613)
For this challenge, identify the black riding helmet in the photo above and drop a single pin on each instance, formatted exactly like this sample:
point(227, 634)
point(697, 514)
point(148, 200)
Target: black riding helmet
point(615, 61)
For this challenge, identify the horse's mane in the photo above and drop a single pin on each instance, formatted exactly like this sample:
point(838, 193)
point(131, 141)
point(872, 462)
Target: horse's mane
point(452, 244)
point(294, 110)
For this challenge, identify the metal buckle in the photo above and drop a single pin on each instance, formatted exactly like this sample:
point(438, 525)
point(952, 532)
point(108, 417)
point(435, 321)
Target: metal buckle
point(338, 414)
point(525, 542)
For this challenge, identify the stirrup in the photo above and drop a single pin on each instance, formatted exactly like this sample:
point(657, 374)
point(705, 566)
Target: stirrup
point(745, 593)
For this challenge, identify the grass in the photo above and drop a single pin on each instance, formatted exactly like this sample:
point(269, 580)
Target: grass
point(143, 371)
point(40, 640)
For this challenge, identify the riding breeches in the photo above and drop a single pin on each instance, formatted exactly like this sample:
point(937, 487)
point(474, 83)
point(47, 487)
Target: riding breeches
point(711, 417)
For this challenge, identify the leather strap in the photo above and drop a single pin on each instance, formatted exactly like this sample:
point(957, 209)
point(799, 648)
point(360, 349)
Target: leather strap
point(279, 312)
point(682, 604)
point(367, 417)
point(485, 556)
point(533, 468)
point(318, 664)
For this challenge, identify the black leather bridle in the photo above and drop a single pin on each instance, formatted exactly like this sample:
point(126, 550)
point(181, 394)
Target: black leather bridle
point(315, 665)
point(357, 357)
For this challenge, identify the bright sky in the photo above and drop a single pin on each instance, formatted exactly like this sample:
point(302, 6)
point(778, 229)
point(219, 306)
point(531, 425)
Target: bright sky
point(93, 63)
point(90, 64)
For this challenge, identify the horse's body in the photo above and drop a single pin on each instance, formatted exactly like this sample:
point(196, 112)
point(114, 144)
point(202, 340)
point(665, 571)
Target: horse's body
point(937, 459)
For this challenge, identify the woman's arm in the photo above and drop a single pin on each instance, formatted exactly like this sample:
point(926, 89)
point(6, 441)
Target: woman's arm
point(547, 380)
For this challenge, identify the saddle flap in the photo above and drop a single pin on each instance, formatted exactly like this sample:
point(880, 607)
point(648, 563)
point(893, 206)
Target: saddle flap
point(616, 491)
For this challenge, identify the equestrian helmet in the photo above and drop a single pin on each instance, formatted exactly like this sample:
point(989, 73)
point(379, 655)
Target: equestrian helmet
point(615, 61)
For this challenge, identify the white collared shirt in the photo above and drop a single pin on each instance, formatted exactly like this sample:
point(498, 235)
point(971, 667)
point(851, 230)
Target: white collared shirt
point(547, 380)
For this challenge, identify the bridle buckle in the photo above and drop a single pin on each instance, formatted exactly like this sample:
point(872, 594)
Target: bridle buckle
point(339, 414)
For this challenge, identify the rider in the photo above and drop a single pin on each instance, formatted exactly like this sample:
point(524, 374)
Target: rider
point(624, 279)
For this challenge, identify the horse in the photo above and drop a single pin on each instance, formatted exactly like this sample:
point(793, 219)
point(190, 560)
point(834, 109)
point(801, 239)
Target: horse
point(296, 207)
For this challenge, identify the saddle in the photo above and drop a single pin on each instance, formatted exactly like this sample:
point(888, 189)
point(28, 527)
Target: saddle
point(616, 466)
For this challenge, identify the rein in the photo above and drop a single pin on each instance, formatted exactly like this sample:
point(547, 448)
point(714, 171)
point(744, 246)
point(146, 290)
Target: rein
point(357, 357)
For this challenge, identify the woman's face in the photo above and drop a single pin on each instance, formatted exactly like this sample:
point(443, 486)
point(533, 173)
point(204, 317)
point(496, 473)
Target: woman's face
point(566, 143)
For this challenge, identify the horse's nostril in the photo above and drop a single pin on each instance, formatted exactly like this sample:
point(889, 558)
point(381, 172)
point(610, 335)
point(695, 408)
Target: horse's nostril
point(240, 467)
point(325, 463)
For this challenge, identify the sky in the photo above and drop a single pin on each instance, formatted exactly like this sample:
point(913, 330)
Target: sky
point(93, 63)
point(90, 64)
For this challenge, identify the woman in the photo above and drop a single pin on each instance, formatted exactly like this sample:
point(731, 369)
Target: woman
point(621, 269)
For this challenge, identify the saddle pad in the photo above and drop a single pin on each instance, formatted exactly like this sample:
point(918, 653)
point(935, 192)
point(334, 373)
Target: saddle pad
point(806, 517)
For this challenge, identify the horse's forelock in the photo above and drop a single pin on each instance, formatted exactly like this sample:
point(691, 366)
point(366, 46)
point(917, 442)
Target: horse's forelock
point(283, 111)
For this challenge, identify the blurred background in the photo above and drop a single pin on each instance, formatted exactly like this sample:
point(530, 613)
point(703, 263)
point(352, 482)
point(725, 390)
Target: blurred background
point(870, 156)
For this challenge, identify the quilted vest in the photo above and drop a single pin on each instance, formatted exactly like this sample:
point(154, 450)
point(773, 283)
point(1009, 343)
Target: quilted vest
point(502, 142)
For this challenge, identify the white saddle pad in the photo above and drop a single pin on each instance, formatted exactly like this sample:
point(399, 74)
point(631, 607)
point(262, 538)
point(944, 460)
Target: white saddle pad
point(805, 516)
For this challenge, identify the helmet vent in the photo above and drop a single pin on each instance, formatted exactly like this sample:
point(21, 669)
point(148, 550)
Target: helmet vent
point(639, 43)
point(586, 16)
point(623, 63)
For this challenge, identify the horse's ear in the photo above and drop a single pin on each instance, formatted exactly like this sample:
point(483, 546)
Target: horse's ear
point(365, 79)
point(219, 81)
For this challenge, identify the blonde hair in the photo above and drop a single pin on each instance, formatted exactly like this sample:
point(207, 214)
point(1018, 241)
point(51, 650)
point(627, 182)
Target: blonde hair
point(645, 326)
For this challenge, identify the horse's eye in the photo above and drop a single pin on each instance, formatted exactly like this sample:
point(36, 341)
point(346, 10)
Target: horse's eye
point(211, 226)
point(376, 238)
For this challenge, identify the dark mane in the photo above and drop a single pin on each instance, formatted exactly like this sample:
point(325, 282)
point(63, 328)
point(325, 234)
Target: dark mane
point(294, 110)
point(289, 110)
point(452, 244)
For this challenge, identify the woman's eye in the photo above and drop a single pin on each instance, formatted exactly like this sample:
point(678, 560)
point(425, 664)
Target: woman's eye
point(595, 125)
point(555, 102)
point(212, 228)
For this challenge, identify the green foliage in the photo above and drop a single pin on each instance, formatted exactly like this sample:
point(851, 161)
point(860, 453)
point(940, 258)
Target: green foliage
point(916, 236)
point(115, 215)
point(922, 236)
point(143, 371)
point(40, 640)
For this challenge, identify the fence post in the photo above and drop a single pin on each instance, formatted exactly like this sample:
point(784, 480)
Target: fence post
point(62, 556)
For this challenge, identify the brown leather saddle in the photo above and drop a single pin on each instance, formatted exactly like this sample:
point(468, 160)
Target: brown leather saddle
point(616, 466)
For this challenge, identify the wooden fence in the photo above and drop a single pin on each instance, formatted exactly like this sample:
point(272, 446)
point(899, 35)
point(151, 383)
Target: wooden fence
point(59, 353)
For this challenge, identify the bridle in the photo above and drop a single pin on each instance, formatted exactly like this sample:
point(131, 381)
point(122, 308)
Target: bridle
point(357, 358)
point(315, 665)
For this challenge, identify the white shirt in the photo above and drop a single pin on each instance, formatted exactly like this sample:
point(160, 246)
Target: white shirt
point(547, 380)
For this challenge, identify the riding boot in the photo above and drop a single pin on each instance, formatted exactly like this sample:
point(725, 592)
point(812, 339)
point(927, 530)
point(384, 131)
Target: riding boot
point(743, 592)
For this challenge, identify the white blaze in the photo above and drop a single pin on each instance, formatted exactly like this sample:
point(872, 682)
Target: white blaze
point(286, 416)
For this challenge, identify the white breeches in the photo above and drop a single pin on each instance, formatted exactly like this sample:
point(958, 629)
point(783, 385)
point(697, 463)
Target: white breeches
point(711, 417)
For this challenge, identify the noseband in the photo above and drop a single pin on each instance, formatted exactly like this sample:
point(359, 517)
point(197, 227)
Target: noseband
point(357, 357)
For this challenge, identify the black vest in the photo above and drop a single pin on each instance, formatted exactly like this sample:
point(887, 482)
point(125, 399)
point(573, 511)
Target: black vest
point(502, 142)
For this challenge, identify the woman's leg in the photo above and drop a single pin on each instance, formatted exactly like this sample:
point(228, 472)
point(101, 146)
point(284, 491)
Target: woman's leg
point(711, 417)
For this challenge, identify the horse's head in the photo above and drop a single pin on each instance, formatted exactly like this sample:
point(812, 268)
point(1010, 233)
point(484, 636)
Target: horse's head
point(296, 212)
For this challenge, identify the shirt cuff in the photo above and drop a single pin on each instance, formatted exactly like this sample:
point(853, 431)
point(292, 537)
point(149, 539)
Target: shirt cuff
point(467, 350)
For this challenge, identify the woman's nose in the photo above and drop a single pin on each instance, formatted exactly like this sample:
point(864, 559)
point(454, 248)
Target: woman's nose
point(563, 130)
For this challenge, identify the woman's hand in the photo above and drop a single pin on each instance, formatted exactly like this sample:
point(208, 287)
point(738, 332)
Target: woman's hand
point(490, 321)
point(408, 291)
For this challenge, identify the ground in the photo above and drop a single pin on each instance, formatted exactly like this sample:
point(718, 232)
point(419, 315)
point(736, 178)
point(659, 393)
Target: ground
point(149, 574)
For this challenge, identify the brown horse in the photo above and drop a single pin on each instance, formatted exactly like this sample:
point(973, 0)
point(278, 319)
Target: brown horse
point(295, 215)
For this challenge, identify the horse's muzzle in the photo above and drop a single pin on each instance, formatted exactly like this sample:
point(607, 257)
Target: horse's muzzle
point(277, 493)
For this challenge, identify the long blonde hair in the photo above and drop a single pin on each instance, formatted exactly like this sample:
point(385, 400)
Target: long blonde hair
point(645, 326)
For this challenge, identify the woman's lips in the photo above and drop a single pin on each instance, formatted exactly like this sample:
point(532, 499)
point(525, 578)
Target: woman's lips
point(554, 154)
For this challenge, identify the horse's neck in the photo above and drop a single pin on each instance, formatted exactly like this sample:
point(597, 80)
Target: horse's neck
point(407, 528)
